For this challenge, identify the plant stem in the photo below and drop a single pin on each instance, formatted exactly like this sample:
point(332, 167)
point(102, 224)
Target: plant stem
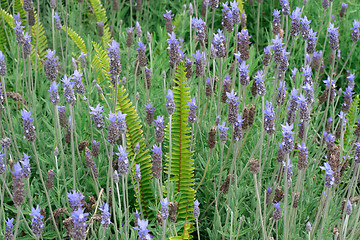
point(170, 159)
point(259, 206)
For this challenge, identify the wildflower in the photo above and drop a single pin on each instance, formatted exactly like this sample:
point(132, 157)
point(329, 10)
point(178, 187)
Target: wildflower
point(53, 4)
point(147, 78)
point(278, 49)
point(36, 222)
point(28, 5)
point(311, 45)
point(277, 213)
point(355, 31)
point(254, 165)
point(191, 9)
point(121, 122)
point(130, 37)
point(26, 48)
point(351, 79)
point(95, 148)
point(295, 22)
point(114, 58)
point(276, 22)
point(243, 39)
point(316, 60)
point(113, 132)
point(348, 210)
point(305, 27)
point(304, 111)
point(329, 175)
point(200, 27)
point(157, 161)
point(29, 129)
point(79, 218)
point(58, 25)
point(142, 56)
point(260, 85)
point(244, 73)
point(267, 56)
point(68, 90)
point(303, 157)
point(219, 43)
point(138, 29)
point(20, 37)
point(79, 87)
point(226, 89)
point(159, 124)
point(237, 128)
point(143, 232)
point(8, 229)
point(343, 9)
point(18, 185)
point(345, 107)
point(100, 26)
point(62, 116)
point(174, 49)
point(164, 208)
point(269, 113)
point(308, 227)
point(168, 21)
point(288, 139)
point(233, 106)
point(97, 116)
point(51, 65)
point(208, 88)
point(192, 112)
point(75, 199)
point(196, 210)
point(123, 162)
point(199, 63)
point(333, 37)
point(227, 18)
point(223, 132)
point(137, 175)
point(170, 104)
point(325, 4)
point(2, 163)
point(105, 215)
point(293, 105)
point(3, 69)
point(50, 179)
point(149, 113)
point(54, 94)
point(188, 65)
point(282, 93)
point(357, 152)
point(235, 12)
point(269, 190)
point(288, 165)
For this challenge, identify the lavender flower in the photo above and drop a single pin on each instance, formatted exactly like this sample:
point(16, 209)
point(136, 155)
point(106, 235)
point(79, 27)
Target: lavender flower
point(138, 29)
point(325, 4)
point(355, 31)
point(237, 128)
point(214, 4)
point(282, 93)
point(357, 152)
point(137, 175)
point(170, 104)
point(267, 56)
point(157, 161)
point(345, 107)
point(79, 218)
point(121, 122)
point(200, 27)
point(243, 39)
point(276, 22)
point(295, 22)
point(143, 232)
point(76, 200)
point(29, 129)
point(309, 90)
point(305, 27)
point(95, 148)
point(288, 139)
point(26, 170)
point(208, 87)
point(8, 229)
point(199, 63)
point(333, 37)
point(329, 175)
point(3, 69)
point(260, 84)
point(293, 105)
point(308, 227)
point(51, 65)
point(168, 21)
point(303, 157)
point(223, 132)
point(188, 65)
point(159, 134)
point(68, 90)
point(164, 208)
point(311, 46)
point(174, 49)
point(54, 94)
point(26, 48)
point(343, 9)
point(304, 111)
point(277, 213)
point(2, 163)
point(191, 9)
point(130, 37)
point(219, 43)
point(105, 215)
point(36, 222)
point(278, 49)
point(79, 87)
point(227, 18)
point(123, 162)
point(58, 25)
point(196, 210)
point(20, 38)
point(147, 81)
point(142, 56)
point(18, 185)
point(226, 89)
point(235, 12)
point(233, 106)
point(114, 58)
point(28, 5)
point(149, 113)
point(244, 73)
point(316, 60)
point(192, 112)
point(113, 132)
point(288, 165)
point(97, 116)
point(269, 114)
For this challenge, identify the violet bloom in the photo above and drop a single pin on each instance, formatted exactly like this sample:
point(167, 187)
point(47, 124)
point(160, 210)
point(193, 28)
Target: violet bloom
point(260, 84)
point(164, 208)
point(8, 229)
point(237, 128)
point(214, 4)
point(29, 129)
point(75, 199)
point(282, 93)
point(278, 49)
point(58, 25)
point(79, 218)
point(244, 73)
point(269, 114)
point(188, 65)
point(137, 175)
point(19, 33)
point(293, 74)
point(54, 94)
point(121, 122)
point(345, 107)
point(329, 175)
point(97, 116)
point(316, 60)
point(105, 215)
point(168, 21)
point(343, 9)
point(276, 22)
point(142, 56)
point(159, 130)
point(79, 87)
point(149, 113)
point(18, 185)
point(293, 105)
point(51, 65)
point(233, 106)
point(311, 46)
point(309, 90)
point(357, 152)
point(123, 162)
point(170, 104)
point(2, 163)
point(243, 39)
point(267, 56)
point(307, 73)
point(138, 29)
point(200, 27)
point(325, 4)
point(143, 232)
point(196, 210)
point(295, 22)
point(192, 112)
point(305, 27)
point(130, 37)
point(3, 69)
point(26, 170)
point(277, 213)
point(351, 79)
point(288, 138)
point(288, 165)
point(227, 18)
point(355, 31)
point(26, 48)
point(223, 132)
point(114, 58)
point(69, 90)
point(235, 12)
point(303, 157)
point(283, 65)
point(199, 63)
point(333, 37)
point(113, 132)
point(219, 43)
point(304, 111)
point(285, 7)
point(156, 161)
point(37, 224)
point(208, 87)
point(174, 49)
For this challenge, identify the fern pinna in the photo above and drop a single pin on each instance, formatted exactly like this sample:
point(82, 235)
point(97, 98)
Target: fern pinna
point(134, 135)
point(182, 166)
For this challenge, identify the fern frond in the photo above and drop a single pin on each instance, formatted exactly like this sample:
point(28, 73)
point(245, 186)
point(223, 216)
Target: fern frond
point(101, 62)
point(9, 19)
point(42, 41)
point(100, 15)
point(19, 9)
point(79, 42)
point(134, 135)
point(350, 116)
point(182, 166)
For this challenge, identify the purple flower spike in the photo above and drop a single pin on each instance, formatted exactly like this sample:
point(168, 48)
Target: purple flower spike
point(51, 65)
point(223, 132)
point(159, 134)
point(123, 163)
point(276, 22)
point(54, 94)
point(237, 128)
point(174, 49)
point(244, 73)
point(97, 116)
point(260, 84)
point(278, 49)
point(285, 7)
point(69, 90)
point(200, 27)
point(142, 56)
point(269, 114)
point(105, 215)
point(37, 224)
point(219, 43)
point(199, 63)
point(305, 28)
point(329, 175)
point(3, 69)
point(26, 165)
point(333, 37)
point(277, 213)
point(196, 210)
point(227, 18)
point(355, 31)
point(79, 218)
point(29, 129)
point(170, 104)
point(192, 112)
point(235, 12)
point(295, 22)
point(288, 139)
point(8, 229)
point(149, 113)
point(75, 200)
point(143, 232)
point(79, 87)
point(311, 46)
point(58, 25)
point(164, 208)
point(233, 106)
point(137, 175)
point(157, 161)
point(243, 39)
point(114, 58)
point(168, 21)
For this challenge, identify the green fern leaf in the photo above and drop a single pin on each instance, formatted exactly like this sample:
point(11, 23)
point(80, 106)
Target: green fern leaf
point(182, 166)
point(41, 42)
point(350, 116)
point(134, 135)
point(76, 39)
point(9, 19)
point(100, 15)
point(101, 62)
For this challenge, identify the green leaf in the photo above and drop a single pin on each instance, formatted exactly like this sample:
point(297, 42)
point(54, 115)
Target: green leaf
point(100, 15)
point(76, 38)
